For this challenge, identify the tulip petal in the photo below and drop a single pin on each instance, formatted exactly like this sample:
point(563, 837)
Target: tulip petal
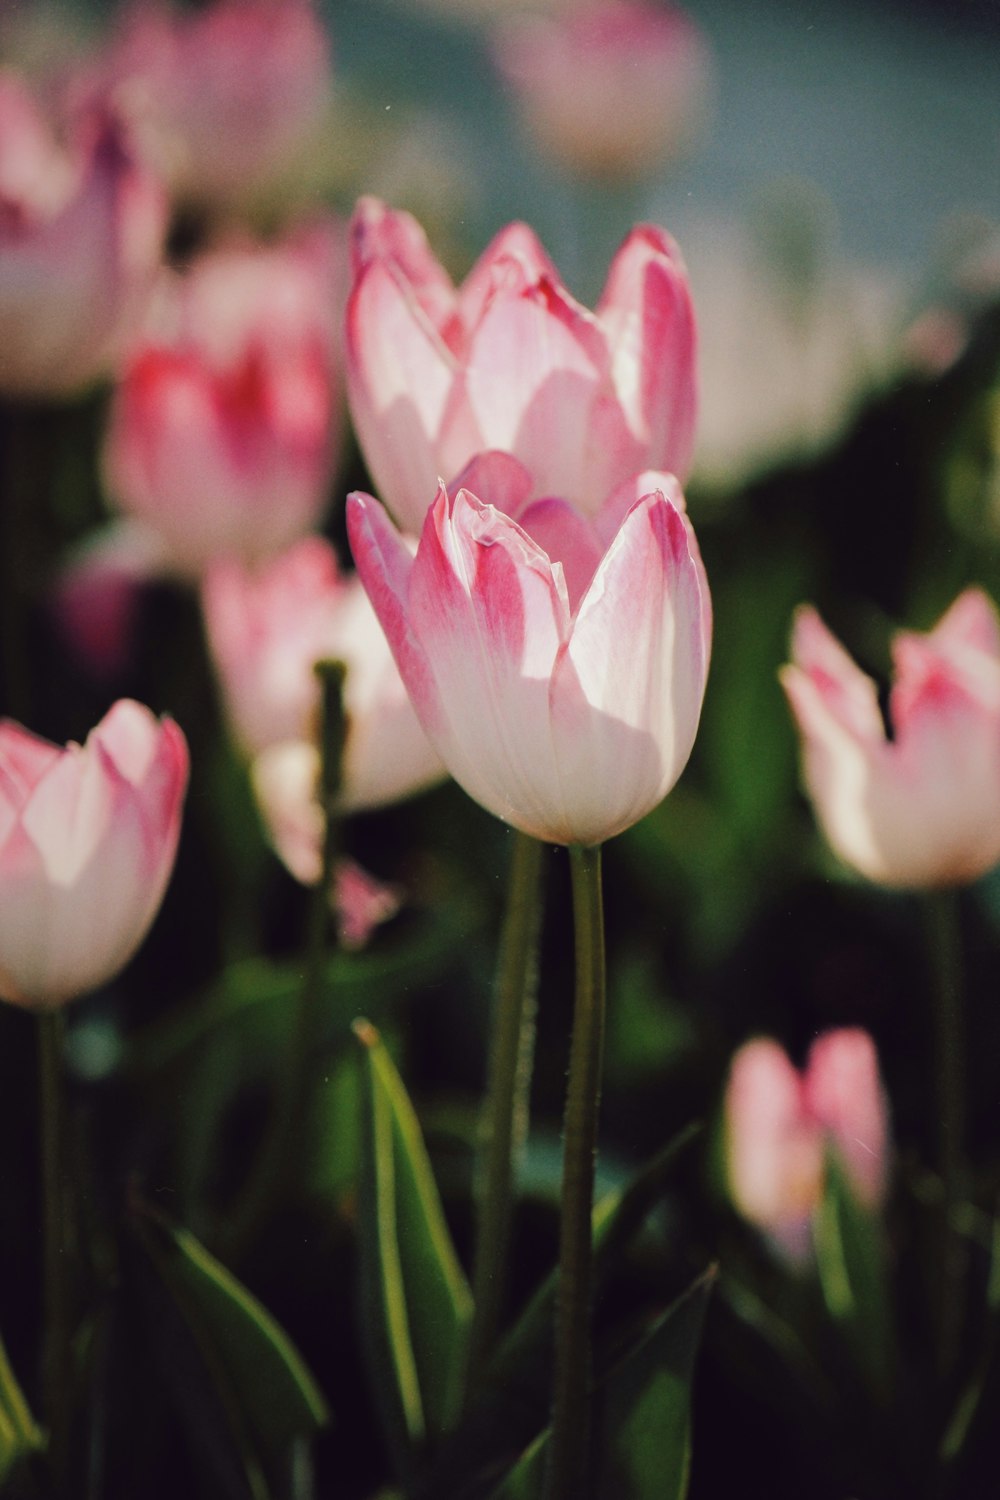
point(400, 380)
point(627, 691)
point(498, 479)
point(380, 233)
point(534, 366)
point(567, 538)
point(648, 316)
point(490, 612)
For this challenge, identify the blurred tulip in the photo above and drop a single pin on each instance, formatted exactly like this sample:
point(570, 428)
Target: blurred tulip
point(266, 631)
point(87, 842)
point(81, 235)
point(843, 1091)
point(223, 432)
point(510, 361)
point(285, 780)
point(225, 97)
point(780, 1123)
point(96, 594)
point(557, 664)
point(921, 809)
point(792, 336)
point(612, 89)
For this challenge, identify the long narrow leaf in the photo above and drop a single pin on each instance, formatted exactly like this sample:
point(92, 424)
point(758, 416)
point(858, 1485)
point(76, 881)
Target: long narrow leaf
point(416, 1301)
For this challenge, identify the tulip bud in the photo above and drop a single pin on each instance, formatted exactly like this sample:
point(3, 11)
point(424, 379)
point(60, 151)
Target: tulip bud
point(781, 1123)
point(87, 842)
point(510, 362)
point(922, 809)
point(613, 88)
point(557, 664)
point(223, 431)
point(81, 235)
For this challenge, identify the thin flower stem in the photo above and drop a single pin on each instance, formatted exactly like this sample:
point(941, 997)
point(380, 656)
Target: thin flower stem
point(505, 1112)
point(568, 1456)
point(292, 1098)
point(949, 1063)
point(56, 1346)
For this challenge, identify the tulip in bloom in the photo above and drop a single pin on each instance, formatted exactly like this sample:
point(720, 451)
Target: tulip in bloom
point(266, 630)
point(780, 1124)
point(87, 842)
point(509, 361)
point(557, 664)
point(223, 431)
point(81, 236)
point(226, 97)
point(921, 809)
point(610, 89)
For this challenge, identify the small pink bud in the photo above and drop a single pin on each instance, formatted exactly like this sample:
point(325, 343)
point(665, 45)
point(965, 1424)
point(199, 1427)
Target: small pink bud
point(781, 1123)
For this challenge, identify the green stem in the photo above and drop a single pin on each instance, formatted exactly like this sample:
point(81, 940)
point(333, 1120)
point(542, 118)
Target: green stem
point(505, 1111)
point(15, 559)
point(56, 1346)
point(292, 1098)
point(949, 1063)
point(568, 1457)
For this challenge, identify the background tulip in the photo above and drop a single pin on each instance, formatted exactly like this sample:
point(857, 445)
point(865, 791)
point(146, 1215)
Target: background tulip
point(510, 361)
point(87, 842)
point(223, 431)
point(267, 629)
point(780, 1123)
point(921, 809)
point(225, 97)
point(610, 89)
point(81, 235)
point(561, 687)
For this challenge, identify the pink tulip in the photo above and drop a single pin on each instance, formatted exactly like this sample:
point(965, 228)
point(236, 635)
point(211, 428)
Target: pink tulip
point(921, 809)
point(843, 1091)
point(87, 842)
point(81, 235)
point(557, 664)
point(510, 361)
point(97, 593)
point(781, 1123)
point(228, 97)
point(223, 432)
point(285, 778)
point(266, 630)
point(611, 89)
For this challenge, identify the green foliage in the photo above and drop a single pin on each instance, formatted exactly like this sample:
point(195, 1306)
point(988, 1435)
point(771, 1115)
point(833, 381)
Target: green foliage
point(267, 1396)
point(850, 1255)
point(416, 1301)
point(19, 1435)
point(643, 1409)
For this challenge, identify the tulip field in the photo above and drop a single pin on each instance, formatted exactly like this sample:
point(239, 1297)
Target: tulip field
point(499, 750)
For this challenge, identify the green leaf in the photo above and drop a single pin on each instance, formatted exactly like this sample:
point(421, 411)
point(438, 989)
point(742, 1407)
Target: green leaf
point(18, 1432)
point(850, 1256)
point(417, 1304)
point(261, 1380)
point(642, 1411)
point(512, 1401)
